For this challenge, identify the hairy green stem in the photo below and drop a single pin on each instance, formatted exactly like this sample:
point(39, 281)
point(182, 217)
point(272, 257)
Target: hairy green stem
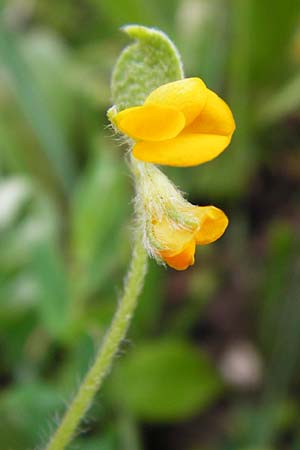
point(107, 351)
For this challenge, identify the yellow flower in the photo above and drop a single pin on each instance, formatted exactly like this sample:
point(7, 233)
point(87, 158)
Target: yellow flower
point(182, 123)
point(177, 244)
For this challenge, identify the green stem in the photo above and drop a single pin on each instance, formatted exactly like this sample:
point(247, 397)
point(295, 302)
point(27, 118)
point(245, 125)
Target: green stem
point(107, 351)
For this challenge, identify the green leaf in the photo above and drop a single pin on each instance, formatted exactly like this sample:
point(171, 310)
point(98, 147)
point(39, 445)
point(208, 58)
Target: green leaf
point(129, 11)
point(149, 306)
point(48, 267)
point(29, 94)
point(270, 61)
point(107, 441)
point(149, 62)
point(277, 276)
point(165, 380)
point(202, 28)
point(25, 409)
point(99, 206)
point(280, 104)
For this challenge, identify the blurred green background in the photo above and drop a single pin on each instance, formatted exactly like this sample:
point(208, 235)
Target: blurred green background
point(212, 360)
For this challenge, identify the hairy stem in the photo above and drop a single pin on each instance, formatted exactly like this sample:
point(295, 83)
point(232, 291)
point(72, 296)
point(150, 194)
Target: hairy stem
point(107, 351)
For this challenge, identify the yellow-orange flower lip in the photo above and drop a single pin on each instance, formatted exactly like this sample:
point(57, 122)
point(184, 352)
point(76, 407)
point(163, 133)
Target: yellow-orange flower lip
point(180, 244)
point(182, 123)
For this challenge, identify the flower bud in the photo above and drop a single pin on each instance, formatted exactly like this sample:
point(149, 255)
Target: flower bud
point(172, 226)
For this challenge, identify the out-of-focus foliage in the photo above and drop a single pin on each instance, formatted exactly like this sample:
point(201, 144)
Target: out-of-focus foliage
point(212, 358)
point(147, 370)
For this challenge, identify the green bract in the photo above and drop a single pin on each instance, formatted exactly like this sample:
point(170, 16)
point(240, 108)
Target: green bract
point(152, 60)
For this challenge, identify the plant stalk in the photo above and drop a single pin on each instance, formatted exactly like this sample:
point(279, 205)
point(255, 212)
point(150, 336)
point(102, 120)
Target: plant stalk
point(114, 336)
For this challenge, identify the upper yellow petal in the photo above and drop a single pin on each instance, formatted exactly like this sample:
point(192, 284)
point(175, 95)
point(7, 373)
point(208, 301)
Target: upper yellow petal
point(150, 122)
point(183, 151)
point(187, 95)
point(215, 118)
point(213, 224)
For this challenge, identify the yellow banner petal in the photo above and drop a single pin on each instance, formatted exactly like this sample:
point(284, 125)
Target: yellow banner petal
point(187, 95)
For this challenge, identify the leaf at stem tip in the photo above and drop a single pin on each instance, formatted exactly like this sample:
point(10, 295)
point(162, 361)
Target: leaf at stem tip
point(149, 62)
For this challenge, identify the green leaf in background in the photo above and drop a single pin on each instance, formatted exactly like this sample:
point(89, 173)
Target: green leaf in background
point(53, 291)
point(35, 275)
point(283, 415)
point(97, 203)
point(165, 380)
point(36, 221)
point(18, 294)
point(42, 120)
point(149, 306)
point(201, 26)
point(99, 210)
point(281, 103)
point(277, 274)
point(143, 66)
point(270, 56)
point(128, 11)
point(22, 408)
point(107, 441)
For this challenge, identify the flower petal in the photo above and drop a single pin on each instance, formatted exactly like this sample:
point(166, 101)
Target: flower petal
point(213, 224)
point(172, 239)
point(182, 260)
point(183, 151)
point(215, 118)
point(150, 122)
point(188, 96)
